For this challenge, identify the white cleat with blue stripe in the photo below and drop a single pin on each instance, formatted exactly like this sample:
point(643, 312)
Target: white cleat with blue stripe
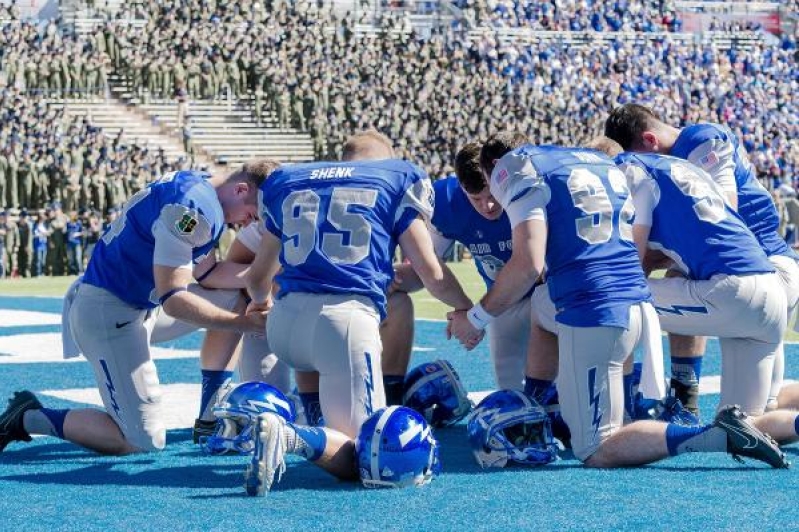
point(268, 460)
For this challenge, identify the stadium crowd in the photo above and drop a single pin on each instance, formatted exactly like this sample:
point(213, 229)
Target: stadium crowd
point(306, 66)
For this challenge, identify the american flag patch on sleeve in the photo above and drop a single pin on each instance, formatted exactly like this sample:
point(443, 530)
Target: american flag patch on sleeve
point(710, 159)
point(502, 175)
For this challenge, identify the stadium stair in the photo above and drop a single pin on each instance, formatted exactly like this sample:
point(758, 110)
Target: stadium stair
point(114, 116)
point(225, 131)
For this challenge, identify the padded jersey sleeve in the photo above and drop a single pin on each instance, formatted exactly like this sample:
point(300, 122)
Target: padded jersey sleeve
point(441, 244)
point(418, 199)
point(268, 221)
point(644, 191)
point(178, 231)
point(250, 236)
point(517, 186)
point(716, 156)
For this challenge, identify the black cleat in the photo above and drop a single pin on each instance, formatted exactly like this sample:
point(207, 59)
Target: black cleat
point(560, 429)
point(203, 429)
point(687, 394)
point(744, 439)
point(672, 411)
point(11, 426)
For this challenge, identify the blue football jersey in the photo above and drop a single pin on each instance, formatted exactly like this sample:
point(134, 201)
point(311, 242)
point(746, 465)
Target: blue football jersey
point(488, 241)
point(339, 223)
point(187, 207)
point(715, 149)
point(593, 270)
point(690, 222)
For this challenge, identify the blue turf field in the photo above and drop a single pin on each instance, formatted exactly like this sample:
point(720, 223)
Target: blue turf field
point(51, 485)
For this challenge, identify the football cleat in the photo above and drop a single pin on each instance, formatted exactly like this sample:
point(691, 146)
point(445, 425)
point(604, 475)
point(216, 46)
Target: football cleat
point(396, 448)
point(268, 460)
point(550, 401)
point(744, 439)
point(687, 394)
point(202, 430)
point(672, 411)
point(642, 408)
point(11, 426)
point(560, 430)
point(237, 412)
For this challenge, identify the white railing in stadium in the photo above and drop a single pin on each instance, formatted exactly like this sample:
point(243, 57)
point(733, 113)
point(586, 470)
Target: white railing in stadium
point(723, 40)
point(715, 6)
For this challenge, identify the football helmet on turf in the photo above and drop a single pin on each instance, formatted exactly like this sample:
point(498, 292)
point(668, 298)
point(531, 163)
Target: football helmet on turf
point(434, 390)
point(509, 426)
point(395, 448)
point(237, 412)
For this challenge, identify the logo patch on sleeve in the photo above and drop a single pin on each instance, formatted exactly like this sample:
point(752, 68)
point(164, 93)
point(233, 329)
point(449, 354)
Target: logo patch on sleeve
point(186, 224)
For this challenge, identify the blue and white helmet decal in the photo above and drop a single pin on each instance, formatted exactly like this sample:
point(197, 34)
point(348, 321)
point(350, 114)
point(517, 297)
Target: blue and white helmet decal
point(396, 448)
point(435, 390)
point(507, 426)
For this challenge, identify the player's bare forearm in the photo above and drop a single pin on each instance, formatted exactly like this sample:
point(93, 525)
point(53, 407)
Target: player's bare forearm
point(239, 253)
point(448, 290)
point(225, 274)
point(436, 276)
point(263, 269)
point(192, 308)
point(514, 281)
point(405, 279)
point(178, 302)
point(522, 269)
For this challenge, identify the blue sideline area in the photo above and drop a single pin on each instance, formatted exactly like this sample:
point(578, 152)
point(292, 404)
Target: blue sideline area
point(51, 485)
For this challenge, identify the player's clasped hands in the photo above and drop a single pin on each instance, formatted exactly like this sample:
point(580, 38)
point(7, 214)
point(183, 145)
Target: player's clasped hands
point(458, 325)
point(256, 323)
point(256, 316)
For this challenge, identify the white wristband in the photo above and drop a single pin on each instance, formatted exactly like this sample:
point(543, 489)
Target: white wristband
point(478, 317)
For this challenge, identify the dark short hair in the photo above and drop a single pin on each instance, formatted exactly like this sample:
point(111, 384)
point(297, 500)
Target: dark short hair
point(498, 145)
point(627, 123)
point(467, 168)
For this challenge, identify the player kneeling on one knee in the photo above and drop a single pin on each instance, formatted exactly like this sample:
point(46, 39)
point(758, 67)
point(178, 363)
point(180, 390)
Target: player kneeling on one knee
point(326, 316)
point(604, 305)
point(147, 262)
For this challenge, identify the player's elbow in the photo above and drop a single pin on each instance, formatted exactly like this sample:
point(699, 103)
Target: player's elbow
point(436, 285)
point(173, 303)
point(526, 267)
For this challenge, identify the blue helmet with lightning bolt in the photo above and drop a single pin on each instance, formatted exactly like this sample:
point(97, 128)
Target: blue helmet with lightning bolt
point(395, 448)
point(237, 412)
point(508, 426)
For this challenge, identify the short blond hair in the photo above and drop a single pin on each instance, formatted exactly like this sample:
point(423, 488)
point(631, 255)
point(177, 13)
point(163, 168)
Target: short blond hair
point(368, 144)
point(606, 145)
point(256, 171)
